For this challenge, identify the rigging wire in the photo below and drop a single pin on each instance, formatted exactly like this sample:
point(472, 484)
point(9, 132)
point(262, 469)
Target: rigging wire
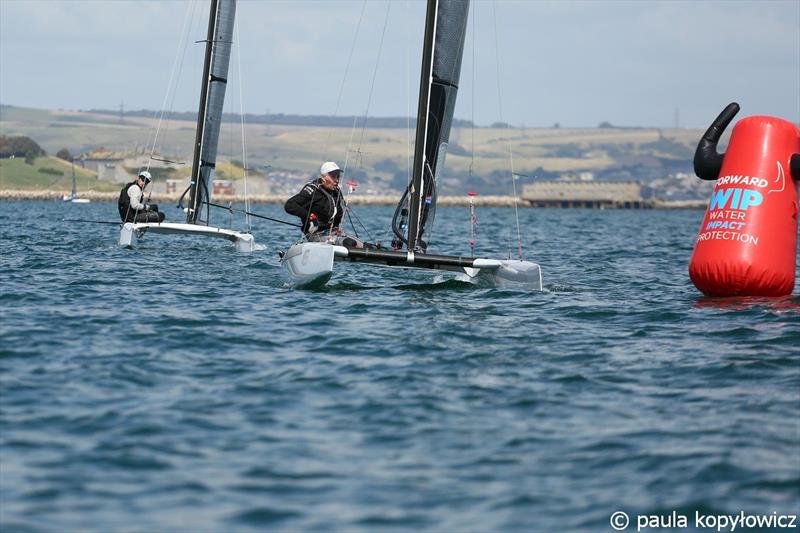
point(349, 143)
point(474, 68)
point(369, 99)
point(177, 65)
point(344, 78)
point(91, 221)
point(350, 218)
point(374, 75)
point(388, 233)
point(409, 155)
point(504, 129)
point(233, 209)
point(369, 235)
point(242, 120)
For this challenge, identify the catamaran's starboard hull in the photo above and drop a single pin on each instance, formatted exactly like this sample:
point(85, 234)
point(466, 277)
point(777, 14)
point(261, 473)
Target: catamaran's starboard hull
point(310, 264)
point(130, 233)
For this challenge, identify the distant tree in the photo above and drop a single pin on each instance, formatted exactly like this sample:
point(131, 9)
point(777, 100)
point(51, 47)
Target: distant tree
point(556, 125)
point(457, 149)
point(20, 146)
point(605, 124)
point(399, 180)
point(64, 154)
point(386, 165)
point(505, 125)
point(52, 171)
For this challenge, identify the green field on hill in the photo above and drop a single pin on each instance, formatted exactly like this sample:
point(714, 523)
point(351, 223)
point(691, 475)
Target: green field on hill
point(48, 174)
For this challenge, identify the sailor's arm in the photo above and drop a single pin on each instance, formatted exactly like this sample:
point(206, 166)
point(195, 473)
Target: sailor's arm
point(299, 205)
point(135, 194)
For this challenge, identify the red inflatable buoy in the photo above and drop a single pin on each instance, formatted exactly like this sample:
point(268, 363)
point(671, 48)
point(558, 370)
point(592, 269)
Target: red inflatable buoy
point(747, 244)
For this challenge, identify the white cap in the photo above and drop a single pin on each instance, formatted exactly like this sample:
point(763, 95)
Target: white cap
point(145, 175)
point(328, 167)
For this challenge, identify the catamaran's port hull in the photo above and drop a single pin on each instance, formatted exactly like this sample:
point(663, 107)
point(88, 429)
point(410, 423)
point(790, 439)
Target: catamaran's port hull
point(310, 264)
point(130, 233)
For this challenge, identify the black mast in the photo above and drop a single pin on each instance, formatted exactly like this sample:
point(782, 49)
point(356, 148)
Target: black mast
point(196, 193)
point(420, 161)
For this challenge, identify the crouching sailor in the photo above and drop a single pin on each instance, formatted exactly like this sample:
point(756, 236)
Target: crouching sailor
point(320, 206)
point(131, 202)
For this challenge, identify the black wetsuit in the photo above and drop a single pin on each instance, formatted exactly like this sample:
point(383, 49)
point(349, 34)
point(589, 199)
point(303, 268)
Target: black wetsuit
point(129, 214)
point(314, 198)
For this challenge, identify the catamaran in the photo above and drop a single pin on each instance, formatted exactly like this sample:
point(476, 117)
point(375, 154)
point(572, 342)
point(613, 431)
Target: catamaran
point(212, 97)
point(310, 264)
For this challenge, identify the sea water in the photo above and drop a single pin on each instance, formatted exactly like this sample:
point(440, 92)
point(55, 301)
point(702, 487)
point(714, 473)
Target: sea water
point(181, 386)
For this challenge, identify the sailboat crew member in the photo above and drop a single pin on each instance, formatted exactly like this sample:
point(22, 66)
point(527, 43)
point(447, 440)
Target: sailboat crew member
point(320, 203)
point(131, 202)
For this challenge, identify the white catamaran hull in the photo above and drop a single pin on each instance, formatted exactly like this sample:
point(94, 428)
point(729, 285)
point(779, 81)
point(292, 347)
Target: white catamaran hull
point(130, 233)
point(310, 265)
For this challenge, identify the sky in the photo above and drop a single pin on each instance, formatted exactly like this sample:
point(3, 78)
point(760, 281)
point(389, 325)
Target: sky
point(530, 63)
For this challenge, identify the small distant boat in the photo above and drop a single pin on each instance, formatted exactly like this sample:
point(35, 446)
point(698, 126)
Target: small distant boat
point(73, 196)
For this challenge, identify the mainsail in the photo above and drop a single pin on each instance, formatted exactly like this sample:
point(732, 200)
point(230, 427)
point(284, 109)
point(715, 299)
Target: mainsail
point(212, 98)
point(445, 30)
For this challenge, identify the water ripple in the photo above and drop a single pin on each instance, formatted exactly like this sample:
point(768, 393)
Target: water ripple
point(182, 386)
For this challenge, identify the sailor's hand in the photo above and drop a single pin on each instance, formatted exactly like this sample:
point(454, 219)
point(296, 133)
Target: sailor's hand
point(313, 224)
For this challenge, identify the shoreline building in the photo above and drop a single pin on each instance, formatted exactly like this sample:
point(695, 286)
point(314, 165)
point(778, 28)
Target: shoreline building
point(586, 193)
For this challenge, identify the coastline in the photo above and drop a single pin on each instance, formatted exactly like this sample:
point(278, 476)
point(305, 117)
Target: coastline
point(354, 199)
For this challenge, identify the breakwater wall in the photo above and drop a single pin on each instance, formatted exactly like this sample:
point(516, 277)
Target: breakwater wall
point(456, 201)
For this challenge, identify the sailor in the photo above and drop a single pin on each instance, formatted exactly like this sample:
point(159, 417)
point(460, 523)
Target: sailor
point(320, 203)
point(131, 201)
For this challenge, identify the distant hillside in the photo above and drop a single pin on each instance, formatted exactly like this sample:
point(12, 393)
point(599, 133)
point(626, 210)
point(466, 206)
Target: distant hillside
point(285, 120)
point(478, 158)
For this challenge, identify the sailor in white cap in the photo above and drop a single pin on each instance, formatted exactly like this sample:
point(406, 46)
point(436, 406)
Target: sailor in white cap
point(320, 203)
point(131, 201)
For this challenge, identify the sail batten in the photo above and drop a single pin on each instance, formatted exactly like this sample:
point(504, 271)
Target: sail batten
point(212, 98)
